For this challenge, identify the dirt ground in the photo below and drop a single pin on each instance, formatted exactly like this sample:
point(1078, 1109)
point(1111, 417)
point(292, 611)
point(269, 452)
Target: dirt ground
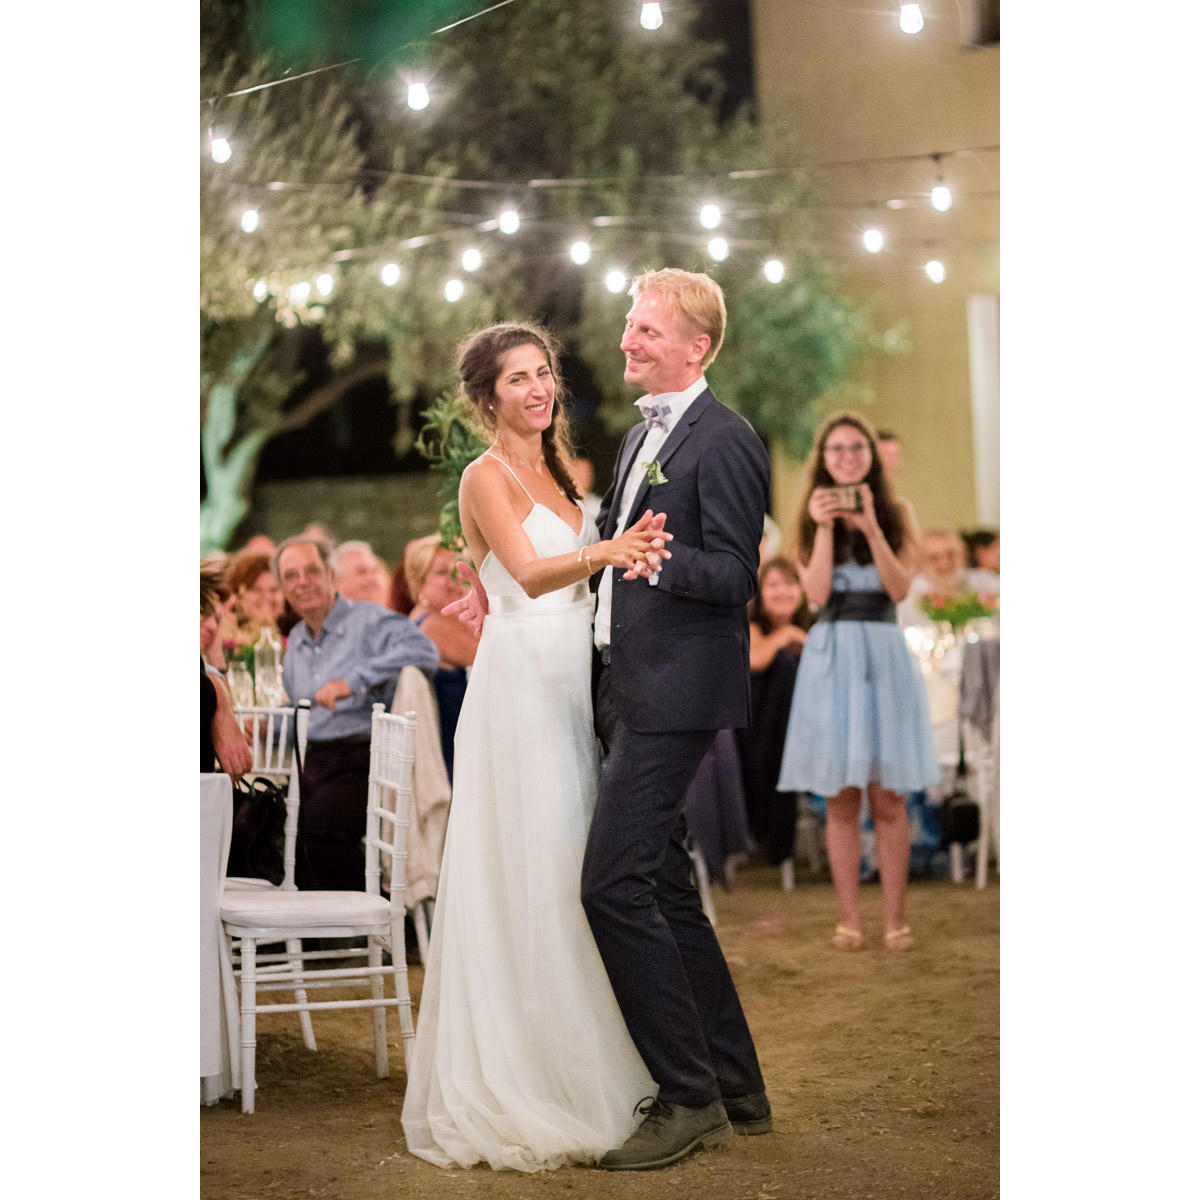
point(882, 1069)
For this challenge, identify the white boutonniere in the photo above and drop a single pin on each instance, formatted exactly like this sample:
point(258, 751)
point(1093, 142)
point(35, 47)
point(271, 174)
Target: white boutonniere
point(654, 472)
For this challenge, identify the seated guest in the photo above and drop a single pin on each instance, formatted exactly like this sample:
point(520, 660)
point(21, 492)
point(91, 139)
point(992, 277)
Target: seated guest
point(399, 599)
point(356, 573)
point(779, 620)
point(258, 600)
point(983, 560)
point(942, 575)
point(891, 453)
point(429, 572)
point(343, 656)
point(223, 746)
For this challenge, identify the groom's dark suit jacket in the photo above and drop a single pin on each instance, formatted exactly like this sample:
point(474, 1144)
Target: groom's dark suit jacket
point(680, 650)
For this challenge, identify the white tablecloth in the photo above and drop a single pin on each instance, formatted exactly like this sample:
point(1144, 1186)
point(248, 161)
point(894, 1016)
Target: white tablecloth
point(216, 827)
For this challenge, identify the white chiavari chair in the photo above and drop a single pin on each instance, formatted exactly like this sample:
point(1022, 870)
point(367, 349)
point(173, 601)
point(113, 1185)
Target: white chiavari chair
point(279, 738)
point(254, 916)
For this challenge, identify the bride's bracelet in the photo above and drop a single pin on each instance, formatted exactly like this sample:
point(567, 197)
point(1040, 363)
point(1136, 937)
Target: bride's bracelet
point(585, 558)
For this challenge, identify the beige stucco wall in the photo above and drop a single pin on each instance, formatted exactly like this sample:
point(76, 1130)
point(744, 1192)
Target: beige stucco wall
point(848, 84)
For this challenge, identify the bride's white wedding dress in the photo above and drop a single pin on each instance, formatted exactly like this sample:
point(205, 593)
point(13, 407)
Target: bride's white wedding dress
point(522, 1059)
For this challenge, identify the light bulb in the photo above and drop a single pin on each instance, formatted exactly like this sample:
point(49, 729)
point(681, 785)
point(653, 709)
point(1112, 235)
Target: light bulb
point(872, 240)
point(390, 274)
point(471, 260)
point(325, 283)
point(249, 220)
point(580, 252)
point(773, 270)
point(260, 290)
point(911, 20)
point(510, 221)
point(935, 270)
point(652, 17)
point(220, 150)
point(299, 292)
point(453, 290)
point(615, 282)
point(710, 216)
point(418, 96)
point(718, 248)
point(940, 197)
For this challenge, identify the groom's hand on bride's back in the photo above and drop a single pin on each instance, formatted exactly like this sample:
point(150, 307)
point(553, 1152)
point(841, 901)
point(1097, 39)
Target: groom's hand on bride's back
point(473, 607)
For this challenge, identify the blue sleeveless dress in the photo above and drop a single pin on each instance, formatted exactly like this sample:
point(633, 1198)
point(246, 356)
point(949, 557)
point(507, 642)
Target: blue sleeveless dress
point(859, 712)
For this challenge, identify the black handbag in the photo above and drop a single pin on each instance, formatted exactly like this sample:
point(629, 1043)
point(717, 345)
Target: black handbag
point(960, 814)
point(259, 814)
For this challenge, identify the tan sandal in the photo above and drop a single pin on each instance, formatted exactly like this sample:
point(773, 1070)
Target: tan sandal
point(899, 939)
point(845, 938)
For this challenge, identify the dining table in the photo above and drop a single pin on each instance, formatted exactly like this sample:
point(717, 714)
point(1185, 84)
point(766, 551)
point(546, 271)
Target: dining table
point(219, 1019)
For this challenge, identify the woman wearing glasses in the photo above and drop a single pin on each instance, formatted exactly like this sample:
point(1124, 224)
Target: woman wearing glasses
point(859, 718)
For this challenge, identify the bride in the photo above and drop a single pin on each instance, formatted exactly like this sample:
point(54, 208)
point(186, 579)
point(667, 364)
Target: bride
point(522, 1058)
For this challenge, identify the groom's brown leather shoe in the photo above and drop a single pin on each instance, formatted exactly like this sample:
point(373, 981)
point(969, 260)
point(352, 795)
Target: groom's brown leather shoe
point(749, 1114)
point(668, 1133)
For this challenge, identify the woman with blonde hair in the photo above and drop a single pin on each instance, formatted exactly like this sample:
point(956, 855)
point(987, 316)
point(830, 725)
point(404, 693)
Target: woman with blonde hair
point(860, 719)
point(430, 576)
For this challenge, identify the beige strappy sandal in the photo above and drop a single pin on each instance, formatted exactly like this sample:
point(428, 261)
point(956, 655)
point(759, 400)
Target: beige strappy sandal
point(899, 939)
point(845, 938)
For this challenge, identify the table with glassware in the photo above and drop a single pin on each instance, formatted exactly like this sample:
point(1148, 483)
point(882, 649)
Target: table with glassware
point(961, 671)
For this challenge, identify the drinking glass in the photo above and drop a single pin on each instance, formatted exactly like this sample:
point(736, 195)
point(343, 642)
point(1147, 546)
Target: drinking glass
point(241, 686)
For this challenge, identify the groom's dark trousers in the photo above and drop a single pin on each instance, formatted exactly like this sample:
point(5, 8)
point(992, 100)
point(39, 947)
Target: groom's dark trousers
point(676, 671)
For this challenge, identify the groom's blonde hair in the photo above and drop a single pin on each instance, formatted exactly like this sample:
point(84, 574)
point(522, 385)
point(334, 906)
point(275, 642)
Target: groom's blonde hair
point(695, 297)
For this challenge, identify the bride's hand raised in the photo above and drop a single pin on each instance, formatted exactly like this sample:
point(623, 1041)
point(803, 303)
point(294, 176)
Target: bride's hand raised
point(473, 607)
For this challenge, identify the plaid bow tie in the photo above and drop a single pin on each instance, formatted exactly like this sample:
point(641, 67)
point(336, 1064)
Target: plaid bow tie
point(656, 415)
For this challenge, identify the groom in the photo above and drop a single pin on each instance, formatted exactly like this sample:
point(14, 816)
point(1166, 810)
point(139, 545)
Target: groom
point(671, 668)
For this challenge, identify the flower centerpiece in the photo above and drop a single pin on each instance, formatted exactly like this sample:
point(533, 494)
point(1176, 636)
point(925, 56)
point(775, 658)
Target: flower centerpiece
point(957, 609)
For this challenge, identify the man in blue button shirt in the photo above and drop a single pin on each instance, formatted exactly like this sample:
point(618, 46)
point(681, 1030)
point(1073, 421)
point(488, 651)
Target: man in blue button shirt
point(344, 656)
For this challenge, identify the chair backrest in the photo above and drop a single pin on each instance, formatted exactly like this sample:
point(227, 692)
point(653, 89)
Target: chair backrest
point(279, 739)
point(389, 800)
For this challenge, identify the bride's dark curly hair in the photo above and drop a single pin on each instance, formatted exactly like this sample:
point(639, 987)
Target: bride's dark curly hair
point(849, 543)
point(479, 358)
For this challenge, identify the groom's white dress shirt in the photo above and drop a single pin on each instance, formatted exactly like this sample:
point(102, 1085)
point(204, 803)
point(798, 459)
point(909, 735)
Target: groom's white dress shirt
point(677, 403)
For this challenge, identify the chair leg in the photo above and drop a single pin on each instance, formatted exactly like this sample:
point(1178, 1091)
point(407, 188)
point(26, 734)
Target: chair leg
point(956, 862)
point(787, 874)
point(296, 963)
point(249, 1002)
point(400, 984)
point(378, 1015)
point(421, 925)
point(702, 885)
point(981, 850)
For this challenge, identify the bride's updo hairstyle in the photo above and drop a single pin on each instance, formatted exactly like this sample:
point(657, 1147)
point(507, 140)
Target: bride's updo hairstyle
point(479, 358)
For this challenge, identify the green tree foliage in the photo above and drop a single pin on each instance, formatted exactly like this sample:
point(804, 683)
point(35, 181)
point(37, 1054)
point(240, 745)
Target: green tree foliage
point(588, 125)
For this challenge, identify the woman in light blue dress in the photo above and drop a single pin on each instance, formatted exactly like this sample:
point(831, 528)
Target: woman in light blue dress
point(859, 718)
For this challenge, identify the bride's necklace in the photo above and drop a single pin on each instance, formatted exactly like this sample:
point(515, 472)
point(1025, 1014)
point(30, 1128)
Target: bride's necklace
point(516, 462)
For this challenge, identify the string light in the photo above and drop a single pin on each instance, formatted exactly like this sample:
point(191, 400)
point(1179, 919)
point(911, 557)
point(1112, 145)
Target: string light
point(872, 240)
point(325, 283)
point(580, 252)
point(249, 220)
point(710, 216)
point(773, 270)
point(220, 149)
point(299, 292)
point(454, 290)
point(418, 96)
point(911, 20)
point(935, 270)
point(652, 17)
point(472, 260)
point(615, 282)
point(390, 275)
point(510, 221)
point(260, 290)
point(718, 248)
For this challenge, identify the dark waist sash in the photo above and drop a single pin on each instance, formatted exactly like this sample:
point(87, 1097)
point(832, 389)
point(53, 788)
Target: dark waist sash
point(858, 606)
